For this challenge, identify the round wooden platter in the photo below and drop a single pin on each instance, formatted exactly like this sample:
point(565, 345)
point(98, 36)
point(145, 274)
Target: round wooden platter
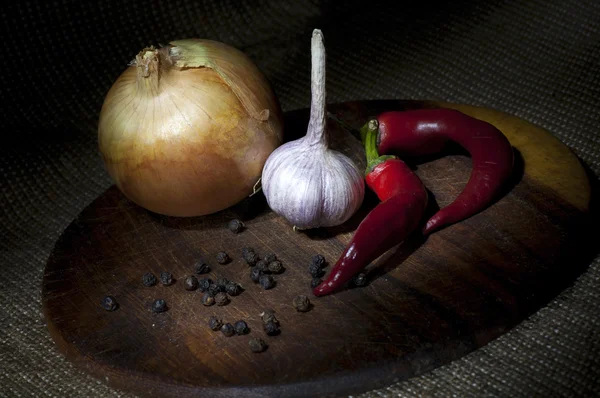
point(428, 302)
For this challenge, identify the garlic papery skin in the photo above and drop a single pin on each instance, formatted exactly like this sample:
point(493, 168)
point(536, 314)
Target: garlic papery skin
point(305, 181)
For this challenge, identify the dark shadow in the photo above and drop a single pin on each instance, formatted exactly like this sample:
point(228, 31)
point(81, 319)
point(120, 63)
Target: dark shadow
point(369, 202)
point(245, 210)
point(450, 149)
point(250, 207)
point(400, 254)
point(296, 124)
point(595, 192)
point(515, 178)
point(583, 248)
point(432, 207)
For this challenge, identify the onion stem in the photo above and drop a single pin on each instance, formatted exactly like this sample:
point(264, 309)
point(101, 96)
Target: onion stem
point(150, 63)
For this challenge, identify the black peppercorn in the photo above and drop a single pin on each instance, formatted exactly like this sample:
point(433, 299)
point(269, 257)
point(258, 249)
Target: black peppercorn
point(255, 274)
point(208, 299)
point(214, 323)
point(268, 315)
point(257, 345)
point(271, 328)
point(235, 226)
point(263, 266)
point(315, 282)
point(109, 303)
point(228, 330)
point(221, 299)
point(148, 279)
point(191, 283)
point(223, 258)
point(201, 267)
point(251, 258)
point(360, 279)
point(159, 305)
point(301, 303)
point(166, 278)
point(222, 283)
point(233, 289)
point(319, 261)
point(275, 267)
point(213, 289)
point(240, 327)
point(266, 281)
point(246, 251)
point(315, 270)
point(204, 284)
point(270, 257)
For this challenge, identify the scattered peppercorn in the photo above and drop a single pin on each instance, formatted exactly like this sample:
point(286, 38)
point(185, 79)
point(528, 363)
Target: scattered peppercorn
point(235, 226)
point(214, 323)
point(266, 281)
point(213, 289)
point(360, 279)
point(301, 303)
point(268, 315)
point(148, 279)
point(257, 345)
point(221, 299)
point(319, 260)
point(315, 282)
point(228, 330)
point(255, 274)
point(159, 305)
point(222, 283)
point(271, 328)
point(275, 267)
point(246, 250)
point(191, 283)
point(240, 327)
point(109, 303)
point(208, 299)
point(251, 258)
point(202, 267)
point(223, 258)
point(166, 278)
point(233, 289)
point(270, 257)
point(315, 270)
point(263, 266)
point(204, 284)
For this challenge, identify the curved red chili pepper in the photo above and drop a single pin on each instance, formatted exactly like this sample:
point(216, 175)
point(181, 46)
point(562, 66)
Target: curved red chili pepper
point(403, 202)
point(426, 131)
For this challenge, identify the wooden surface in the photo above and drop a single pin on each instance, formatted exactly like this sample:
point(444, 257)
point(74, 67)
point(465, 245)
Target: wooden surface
point(428, 302)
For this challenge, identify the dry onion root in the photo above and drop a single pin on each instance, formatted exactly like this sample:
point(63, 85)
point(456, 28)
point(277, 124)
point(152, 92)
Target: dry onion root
point(187, 128)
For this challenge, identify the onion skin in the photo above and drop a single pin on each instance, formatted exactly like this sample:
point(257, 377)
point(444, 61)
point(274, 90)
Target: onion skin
point(179, 142)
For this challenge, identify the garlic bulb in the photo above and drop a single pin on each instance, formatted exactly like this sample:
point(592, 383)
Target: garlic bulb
point(304, 181)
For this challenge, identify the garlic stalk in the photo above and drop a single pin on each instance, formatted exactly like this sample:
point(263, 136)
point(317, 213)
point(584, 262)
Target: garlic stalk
point(304, 181)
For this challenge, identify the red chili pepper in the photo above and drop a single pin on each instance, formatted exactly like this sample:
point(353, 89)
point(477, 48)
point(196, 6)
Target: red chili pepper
point(403, 202)
point(426, 131)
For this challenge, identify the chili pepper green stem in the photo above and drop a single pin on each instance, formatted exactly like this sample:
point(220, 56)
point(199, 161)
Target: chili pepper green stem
point(368, 136)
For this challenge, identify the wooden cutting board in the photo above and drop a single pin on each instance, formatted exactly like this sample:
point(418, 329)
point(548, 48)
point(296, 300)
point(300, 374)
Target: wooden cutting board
point(427, 303)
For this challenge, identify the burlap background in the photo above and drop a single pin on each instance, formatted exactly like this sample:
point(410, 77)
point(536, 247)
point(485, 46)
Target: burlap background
point(539, 60)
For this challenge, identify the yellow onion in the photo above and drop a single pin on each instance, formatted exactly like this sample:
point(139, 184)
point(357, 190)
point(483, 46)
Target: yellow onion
point(187, 128)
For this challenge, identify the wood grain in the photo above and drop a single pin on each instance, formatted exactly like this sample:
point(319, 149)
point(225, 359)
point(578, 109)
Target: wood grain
point(427, 303)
